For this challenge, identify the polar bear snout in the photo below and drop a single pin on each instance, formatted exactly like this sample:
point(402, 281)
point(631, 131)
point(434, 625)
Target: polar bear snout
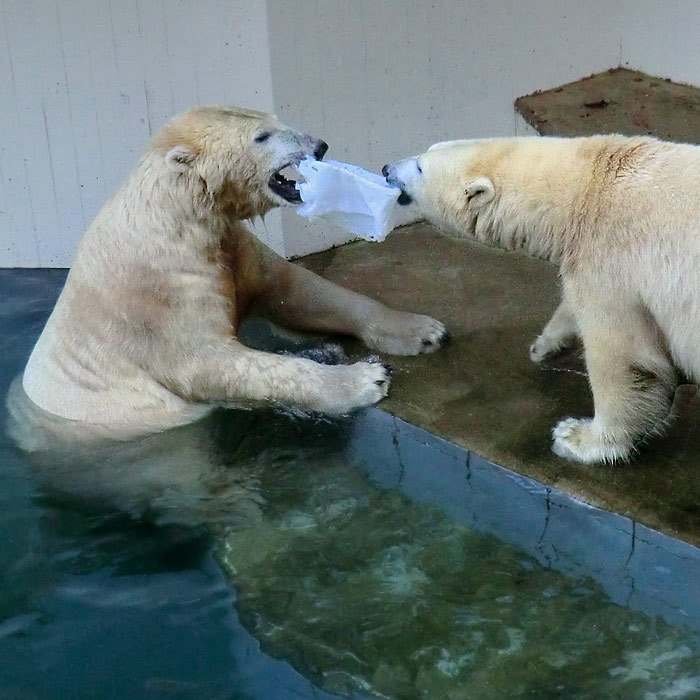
point(291, 149)
point(401, 174)
point(320, 149)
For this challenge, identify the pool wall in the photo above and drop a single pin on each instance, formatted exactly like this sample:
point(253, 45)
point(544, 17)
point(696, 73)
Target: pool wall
point(637, 567)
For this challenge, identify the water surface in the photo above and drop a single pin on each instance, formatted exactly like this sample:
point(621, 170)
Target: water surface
point(265, 555)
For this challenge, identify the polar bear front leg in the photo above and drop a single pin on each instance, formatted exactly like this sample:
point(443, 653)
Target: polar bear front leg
point(402, 333)
point(304, 300)
point(633, 384)
point(558, 335)
point(236, 373)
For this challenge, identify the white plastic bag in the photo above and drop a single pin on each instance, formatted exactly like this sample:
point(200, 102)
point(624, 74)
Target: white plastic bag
point(356, 199)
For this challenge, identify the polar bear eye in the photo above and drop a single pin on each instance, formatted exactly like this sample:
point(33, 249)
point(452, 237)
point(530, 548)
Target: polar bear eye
point(262, 137)
point(420, 170)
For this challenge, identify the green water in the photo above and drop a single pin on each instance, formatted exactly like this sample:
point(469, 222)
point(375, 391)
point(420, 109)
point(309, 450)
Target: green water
point(365, 591)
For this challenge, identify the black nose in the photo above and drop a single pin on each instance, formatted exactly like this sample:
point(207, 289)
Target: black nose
point(385, 170)
point(320, 150)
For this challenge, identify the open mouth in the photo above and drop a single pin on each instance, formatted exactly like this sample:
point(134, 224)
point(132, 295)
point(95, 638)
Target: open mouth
point(283, 183)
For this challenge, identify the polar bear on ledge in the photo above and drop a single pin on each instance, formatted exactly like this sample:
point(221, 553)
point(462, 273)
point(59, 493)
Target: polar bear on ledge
point(620, 216)
point(144, 332)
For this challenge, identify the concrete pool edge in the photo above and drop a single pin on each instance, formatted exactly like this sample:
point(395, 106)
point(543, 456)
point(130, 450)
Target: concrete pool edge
point(482, 391)
point(637, 567)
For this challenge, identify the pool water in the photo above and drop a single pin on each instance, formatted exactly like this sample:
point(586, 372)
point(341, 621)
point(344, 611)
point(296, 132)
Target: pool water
point(270, 555)
point(366, 591)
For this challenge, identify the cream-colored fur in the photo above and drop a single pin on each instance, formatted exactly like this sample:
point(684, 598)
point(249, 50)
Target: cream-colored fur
point(621, 218)
point(145, 330)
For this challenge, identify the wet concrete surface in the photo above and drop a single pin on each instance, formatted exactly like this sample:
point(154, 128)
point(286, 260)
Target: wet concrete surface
point(482, 392)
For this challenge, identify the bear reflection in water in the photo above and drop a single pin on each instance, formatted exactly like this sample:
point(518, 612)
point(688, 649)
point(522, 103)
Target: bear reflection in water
point(207, 472)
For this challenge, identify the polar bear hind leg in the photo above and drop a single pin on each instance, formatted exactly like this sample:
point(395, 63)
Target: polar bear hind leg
point(558, 335)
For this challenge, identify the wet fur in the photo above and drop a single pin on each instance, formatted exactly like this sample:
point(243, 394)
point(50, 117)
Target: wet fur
point(145, 332)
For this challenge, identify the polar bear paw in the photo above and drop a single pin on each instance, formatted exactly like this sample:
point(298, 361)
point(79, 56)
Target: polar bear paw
point(355, 386)
point(406, 334)
point(580, 440)
point(548, 346)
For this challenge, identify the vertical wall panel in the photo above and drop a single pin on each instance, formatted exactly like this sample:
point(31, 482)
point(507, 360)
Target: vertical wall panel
point(17, 228)
point(85, 83)
point(76, 29)
point(26, 36)
point(161, 78)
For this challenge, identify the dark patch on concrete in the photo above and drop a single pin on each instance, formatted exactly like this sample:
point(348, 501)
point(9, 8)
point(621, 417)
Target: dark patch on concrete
point(597, 104)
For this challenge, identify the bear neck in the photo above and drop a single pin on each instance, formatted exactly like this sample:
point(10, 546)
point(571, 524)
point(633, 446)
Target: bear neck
point(538, 194)
point(153, 215)
point(172, 204)
point(535, 227)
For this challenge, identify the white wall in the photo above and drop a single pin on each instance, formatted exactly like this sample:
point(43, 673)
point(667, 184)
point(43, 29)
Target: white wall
point(85, 82)
point(84, 85)
point(380, 79)
point(662, 38)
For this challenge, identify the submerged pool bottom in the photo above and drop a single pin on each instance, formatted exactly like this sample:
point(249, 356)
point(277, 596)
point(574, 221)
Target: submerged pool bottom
point(266, 555)
point(368, 591)
point(365, 591)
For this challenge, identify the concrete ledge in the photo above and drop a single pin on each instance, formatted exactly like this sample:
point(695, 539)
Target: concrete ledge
point(619, 100)
point(637, 567)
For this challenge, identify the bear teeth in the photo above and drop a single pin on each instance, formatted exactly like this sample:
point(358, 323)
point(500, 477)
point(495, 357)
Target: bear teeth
point(284, 187)
point(289, 174)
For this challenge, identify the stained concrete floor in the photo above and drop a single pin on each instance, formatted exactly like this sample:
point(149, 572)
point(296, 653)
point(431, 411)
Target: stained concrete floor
point(620, 100)
point(482, 391)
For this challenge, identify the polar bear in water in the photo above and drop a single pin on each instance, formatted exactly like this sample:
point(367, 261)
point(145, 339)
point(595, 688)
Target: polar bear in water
point(145, 330)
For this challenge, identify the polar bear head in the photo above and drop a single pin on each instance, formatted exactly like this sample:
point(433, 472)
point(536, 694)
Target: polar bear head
point(231, 159)
point(451, 183)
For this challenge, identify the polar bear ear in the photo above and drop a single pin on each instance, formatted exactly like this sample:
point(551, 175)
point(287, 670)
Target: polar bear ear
point(480, 191)
point(180, 158)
